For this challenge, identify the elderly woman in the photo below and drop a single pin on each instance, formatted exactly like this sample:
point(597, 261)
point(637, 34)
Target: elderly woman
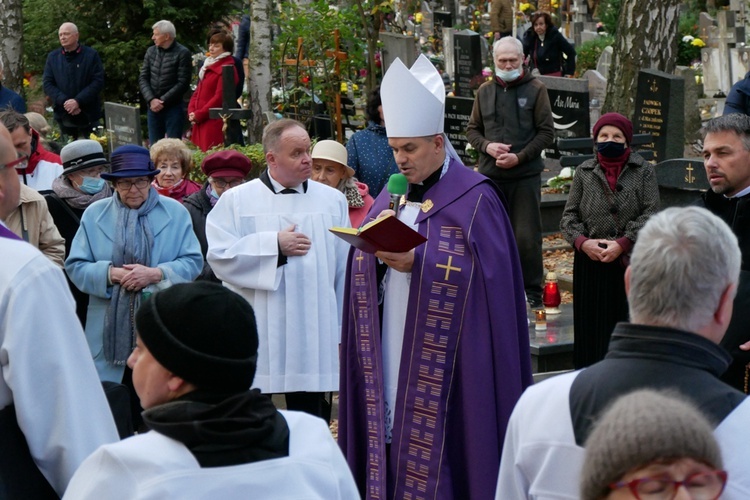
point(79, 186)
point(127, 246)
point(224, 170)
point(545, 46)
point(611, 198)
point(330, 168)
point(368, 151)
point(208, 132)
point(173, 159)
point(652, 445)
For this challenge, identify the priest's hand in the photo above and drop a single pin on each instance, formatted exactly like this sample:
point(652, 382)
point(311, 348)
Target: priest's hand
point(400, 261)
point(293, 243)
point(139, 277)
point(745, 346)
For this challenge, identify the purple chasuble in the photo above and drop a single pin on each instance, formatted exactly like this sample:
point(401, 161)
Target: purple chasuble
point(465, 359)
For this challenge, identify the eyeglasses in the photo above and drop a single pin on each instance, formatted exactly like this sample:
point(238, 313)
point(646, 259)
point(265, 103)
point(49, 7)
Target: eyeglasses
point(701, 486)
point(126, 184)
point(222, 184)
point(19, 164)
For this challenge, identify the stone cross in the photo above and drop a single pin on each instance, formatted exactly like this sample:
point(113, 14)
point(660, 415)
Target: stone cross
point(229, 112)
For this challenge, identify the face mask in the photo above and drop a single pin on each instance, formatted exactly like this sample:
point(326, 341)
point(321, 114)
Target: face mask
point(508, 76)
point(92, 185)
point(610, 149)
point(214, 195)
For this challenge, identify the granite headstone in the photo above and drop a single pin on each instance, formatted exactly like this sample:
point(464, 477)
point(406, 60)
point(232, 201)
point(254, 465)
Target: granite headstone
point(457, 114)
point(468, 62)
point(123, 125)
point(569, 100)
point(681, 181)
point(660, 111)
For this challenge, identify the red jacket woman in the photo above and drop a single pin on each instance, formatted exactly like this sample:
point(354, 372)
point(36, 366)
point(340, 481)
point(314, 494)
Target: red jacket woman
point(207, 132)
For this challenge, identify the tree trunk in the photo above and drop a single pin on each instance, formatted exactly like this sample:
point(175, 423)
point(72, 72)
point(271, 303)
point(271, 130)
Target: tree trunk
point(259, 67)
point(11, 43)
point(647, 33)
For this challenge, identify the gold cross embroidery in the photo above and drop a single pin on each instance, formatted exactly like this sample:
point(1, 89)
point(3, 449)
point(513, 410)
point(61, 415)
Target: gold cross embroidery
point(448, 267)
point(359, 258)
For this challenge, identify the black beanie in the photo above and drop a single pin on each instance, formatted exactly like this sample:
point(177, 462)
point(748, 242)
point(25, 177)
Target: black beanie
point(203, 333)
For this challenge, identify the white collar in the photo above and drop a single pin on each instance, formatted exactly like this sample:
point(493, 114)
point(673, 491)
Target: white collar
point(741, 193)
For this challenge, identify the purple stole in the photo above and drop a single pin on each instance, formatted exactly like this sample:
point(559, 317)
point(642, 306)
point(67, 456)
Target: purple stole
point(7, 233)
point(427, 364)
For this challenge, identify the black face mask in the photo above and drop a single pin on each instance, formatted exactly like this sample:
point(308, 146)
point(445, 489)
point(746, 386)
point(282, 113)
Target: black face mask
point(610, 149)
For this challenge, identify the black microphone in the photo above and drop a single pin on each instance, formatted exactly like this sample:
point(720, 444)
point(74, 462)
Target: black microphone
point(397, 185)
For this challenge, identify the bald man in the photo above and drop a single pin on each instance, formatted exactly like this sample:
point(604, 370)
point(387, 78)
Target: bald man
point(53, 412)
point(73, 80)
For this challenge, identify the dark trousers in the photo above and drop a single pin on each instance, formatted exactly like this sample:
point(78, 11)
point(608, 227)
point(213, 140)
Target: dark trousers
point(314, 403)
point(169, 122)
point(524, 197)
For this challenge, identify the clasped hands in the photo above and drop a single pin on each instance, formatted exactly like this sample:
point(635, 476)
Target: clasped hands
point(134, 277)
point(503, 157)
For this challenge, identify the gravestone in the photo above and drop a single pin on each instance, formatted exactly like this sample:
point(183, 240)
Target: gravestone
point(727, 32)
point(123, 125)
point(457, 114)
point(739, 63)
point(569, 100)
point(397, 45)
point(605, 60)
point(587, 36)
point(693, 91)
point(449, 51)
point(597, 93)
point(442, 19)
point(468, 62)
point(660, 111)
point(681, 181)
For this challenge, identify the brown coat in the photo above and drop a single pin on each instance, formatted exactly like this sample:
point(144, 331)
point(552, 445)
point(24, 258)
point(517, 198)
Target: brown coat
point(41, 229)
point(501, 16)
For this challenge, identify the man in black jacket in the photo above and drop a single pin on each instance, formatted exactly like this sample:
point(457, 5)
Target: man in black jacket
point(73, 80)
point(164, 79)
point(726, 156)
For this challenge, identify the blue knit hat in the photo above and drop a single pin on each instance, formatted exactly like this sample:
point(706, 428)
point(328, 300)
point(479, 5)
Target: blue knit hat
point(130, 161)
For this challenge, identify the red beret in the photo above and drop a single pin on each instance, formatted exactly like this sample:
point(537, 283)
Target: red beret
point(226, 163)
point(615, 120)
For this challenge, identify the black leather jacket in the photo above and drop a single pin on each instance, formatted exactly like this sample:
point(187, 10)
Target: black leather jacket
point(166, 73)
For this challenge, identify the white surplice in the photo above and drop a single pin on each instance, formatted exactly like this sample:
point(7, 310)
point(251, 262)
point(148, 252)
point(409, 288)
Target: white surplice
point(297, 305)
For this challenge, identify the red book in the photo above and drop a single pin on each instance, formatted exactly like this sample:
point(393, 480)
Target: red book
point(387, 234)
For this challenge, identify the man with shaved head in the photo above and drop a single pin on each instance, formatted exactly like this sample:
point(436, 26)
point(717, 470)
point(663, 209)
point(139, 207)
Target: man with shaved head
point(73, 80)
point(53, 412)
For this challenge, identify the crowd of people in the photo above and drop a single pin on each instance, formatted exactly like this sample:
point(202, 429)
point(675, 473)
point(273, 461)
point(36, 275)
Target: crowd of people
point(200, 302)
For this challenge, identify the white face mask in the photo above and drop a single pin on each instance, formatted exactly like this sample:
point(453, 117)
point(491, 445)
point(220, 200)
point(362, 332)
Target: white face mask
point(508, 76)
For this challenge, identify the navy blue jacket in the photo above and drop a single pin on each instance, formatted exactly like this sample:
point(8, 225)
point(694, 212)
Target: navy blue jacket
point(547, 56)
point(738, 100)
point(8, 98)
point(79, 76)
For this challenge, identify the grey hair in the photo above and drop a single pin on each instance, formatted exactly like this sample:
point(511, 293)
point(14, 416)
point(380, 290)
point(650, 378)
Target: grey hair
point(165, 28)
point(75, 28)
point(509, 40)
point(739, 123)
point(684, 259)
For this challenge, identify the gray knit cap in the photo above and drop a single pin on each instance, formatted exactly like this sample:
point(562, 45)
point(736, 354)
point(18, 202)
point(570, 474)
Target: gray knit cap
point(640, 428)
point(82, 154)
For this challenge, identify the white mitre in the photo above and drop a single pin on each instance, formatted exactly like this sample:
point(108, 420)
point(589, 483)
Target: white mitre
point(413, 100)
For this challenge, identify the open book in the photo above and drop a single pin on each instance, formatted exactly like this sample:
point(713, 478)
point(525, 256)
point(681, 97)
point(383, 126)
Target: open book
point(387, 234)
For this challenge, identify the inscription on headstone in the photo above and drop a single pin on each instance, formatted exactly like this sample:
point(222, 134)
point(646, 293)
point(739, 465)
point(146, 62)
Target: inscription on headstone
point(457, 114)
point(123, 125)
point(569, 100)
point(681, 181)
point(660, 111)
point(468, 62)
